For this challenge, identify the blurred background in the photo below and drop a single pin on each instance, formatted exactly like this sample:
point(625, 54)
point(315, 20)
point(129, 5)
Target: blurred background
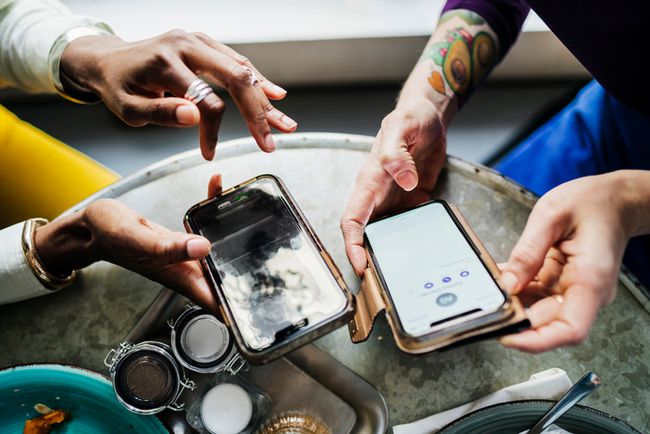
point(342, 61)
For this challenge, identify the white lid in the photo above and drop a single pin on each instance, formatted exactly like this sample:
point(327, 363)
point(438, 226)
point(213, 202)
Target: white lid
point(205, 339)
point(226, 409)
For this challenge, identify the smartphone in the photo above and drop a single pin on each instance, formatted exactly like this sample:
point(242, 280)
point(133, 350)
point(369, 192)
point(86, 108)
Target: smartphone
point(277, 286)
point(430, 270)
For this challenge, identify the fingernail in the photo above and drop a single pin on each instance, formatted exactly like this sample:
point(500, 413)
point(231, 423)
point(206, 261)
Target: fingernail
point(507, 341)
point(508, 281)
point(269, 144)
point(288, 122)
point(209, 154)
point(278, 89)
point(407, 180)
point(197, 248)
point(186, 115)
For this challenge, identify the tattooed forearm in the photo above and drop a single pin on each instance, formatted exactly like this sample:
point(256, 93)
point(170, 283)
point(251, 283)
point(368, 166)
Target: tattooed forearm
point(461, 52)
point(470, 17)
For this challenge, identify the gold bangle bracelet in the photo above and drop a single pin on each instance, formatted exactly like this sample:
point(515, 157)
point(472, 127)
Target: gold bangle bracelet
point(49, 280)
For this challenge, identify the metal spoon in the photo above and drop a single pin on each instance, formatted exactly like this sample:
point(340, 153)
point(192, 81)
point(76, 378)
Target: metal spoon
point(583, 388)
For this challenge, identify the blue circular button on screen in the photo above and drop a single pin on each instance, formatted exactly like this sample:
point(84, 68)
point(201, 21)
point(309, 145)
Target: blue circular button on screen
point(446, 279)
point(464, 273)
point(428, 285)
point(446, 299)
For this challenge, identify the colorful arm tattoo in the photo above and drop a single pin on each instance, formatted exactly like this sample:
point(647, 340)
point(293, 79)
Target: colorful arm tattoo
point(462, 51)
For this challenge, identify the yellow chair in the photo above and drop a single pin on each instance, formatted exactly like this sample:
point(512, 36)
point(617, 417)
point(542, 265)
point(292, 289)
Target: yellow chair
point(40, 176)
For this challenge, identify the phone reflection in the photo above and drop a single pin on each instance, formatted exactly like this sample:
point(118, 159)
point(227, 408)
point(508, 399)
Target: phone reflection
point(271, 274)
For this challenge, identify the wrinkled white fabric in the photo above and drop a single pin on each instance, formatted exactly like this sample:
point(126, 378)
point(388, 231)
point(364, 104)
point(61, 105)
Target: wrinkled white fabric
point(17, 280)
point(28, 30)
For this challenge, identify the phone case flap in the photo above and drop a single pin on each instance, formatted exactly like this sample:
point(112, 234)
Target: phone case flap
point(369, 303)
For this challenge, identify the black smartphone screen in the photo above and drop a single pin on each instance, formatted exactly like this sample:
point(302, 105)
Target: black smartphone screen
point(430, 269)
point(271, 272)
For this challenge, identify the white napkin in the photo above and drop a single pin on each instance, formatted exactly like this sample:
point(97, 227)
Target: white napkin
point(549, 384)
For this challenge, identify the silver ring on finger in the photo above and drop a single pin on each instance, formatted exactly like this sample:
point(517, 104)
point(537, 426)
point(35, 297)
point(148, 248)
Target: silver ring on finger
point(197, 91)
point(253, 76)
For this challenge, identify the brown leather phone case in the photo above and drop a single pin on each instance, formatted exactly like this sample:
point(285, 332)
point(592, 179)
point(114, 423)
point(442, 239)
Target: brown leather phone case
point(372, 300)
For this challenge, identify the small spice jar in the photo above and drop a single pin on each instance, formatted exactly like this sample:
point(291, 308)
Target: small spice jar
point(204, 344)
point(146, 377)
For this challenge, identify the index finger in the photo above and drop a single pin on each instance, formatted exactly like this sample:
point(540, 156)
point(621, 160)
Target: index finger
point(543, 229)
point(556, 324)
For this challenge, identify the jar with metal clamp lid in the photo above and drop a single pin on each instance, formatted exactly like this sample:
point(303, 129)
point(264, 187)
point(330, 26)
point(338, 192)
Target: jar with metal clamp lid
point(146, 377)
point(203, 344)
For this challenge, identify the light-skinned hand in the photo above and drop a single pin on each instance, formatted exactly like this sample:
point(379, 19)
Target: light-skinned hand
point(567, 261)
point(400, 171)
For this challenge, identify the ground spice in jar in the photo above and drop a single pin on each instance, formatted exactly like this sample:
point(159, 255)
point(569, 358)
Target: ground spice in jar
point(148, 381)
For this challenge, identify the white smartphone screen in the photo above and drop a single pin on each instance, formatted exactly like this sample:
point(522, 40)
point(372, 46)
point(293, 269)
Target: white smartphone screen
point(429, 268)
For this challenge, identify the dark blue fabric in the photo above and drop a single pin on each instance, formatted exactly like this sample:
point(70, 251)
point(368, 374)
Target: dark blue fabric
point(594, 134)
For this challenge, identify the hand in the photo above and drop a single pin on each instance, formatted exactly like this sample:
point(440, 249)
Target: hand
point(108, 230)
point(399, 173)
point(133, 78)
point(568, 257)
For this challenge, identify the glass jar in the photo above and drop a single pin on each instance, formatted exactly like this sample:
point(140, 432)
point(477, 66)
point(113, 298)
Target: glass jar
point(228, 405)
point(146, 378)
point(203, 344)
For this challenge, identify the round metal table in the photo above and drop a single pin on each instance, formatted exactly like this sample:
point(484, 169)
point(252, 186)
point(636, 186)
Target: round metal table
point(79, 324)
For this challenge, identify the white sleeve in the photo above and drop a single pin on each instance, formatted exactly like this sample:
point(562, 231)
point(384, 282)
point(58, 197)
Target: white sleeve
point(17, 280)
point(28, 31)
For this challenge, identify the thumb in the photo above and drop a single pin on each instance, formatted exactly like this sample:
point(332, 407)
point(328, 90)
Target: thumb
point(174, 247)
point(197, 248)
point(542, 231)
point(170, 112)
point(353, 223)
point(396, 159)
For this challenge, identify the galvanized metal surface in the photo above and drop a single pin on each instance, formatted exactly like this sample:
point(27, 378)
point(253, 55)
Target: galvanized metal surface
point(309, 381)
point(79, 324)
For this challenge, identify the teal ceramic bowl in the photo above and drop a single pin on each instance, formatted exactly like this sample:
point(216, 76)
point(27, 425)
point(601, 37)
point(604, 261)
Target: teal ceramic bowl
point(86, 395)
point(515, 417)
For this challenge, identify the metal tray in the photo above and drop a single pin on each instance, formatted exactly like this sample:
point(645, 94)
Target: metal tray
point(307, 379)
